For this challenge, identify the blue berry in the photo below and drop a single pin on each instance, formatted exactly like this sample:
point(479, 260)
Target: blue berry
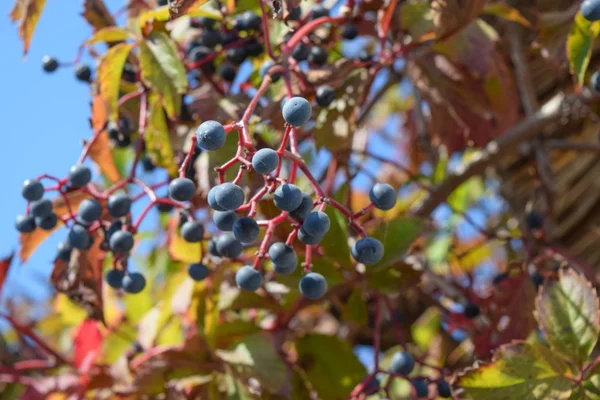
point(295, 14)
point(296, 111)
point(471, 310)
point(308, 239)
point(534, 220)
point(317, 56)
point(247, 21)
point(444, 389)
point(595, 81)
point(265, 161)
point(79, 175)
point(32, 190)
point(228, 246)
point(313, 286)
point(300, 52)
point(133, 283)
point(212, 247)
point(83, 73)
point(317, 223)
point(402, 363)
point(114, 227)
point(119, 205)
point(48, 222)
point(182, 189)
point(114, 278)
point(63, 251)
point(25, 223)
point(383, 196)
point(265, 67)
point(228, 196)
point(211, 38)
point(247, 278)
point(287, 197)
point(349, 32)
point(192, 231)
point(78, 237)
point(304, 209)
point(121, 241)
point(367, 251)
point(212, 201)
point(227, 72)
point(283, 257)
point(41, 208)
point(49, 64)
point(421, 387)
point(318, 11)
point(325, 95)
point(89, 211)
point(210, 135)
point(590, 10)
point(224, 220)
point(198, 271)
point(372, 386)
point(246, 229)
point(236, 55)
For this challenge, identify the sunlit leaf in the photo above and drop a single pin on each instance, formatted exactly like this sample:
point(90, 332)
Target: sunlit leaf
point(27, 13)
point(156, 137)
point(179, 249)
point(110, 70)
point(165, 51)
point(425, 328)
point(580, 44)
point(109, 34)
point(568, 311)
point(162, 14)
point(100, 151)
point(396, 236)
point(179, 8)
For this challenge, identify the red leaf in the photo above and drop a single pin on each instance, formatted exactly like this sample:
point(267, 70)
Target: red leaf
point(88, 341)
point(4, 265)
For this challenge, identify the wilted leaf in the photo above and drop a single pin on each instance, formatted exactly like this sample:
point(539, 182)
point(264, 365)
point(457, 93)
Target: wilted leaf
point(156, 137)
point(109, 34)
point(450, 16)
point(255, 356)
point(30, 241)
point(396, 236)
point(110, 70)
point(568, 313)
point(579, 46)
point(96, 14)
point(4, 266)
point(505, 11)
point(518, 371)
point(27, 13)
point(100, 150)
point(156, 77)
point(330, 365)
point(355, 309)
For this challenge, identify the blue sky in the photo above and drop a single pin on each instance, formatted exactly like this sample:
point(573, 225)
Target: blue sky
point(44, 118)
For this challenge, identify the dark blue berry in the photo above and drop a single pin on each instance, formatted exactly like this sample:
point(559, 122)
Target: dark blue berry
point(300, 52)
point(114, 227)
point(590, 10)
point(296, 111)
point(206, 22)
point(402, 363)
point(595, 81)
point(294, 13)
point(287, 197)
point(236, 55)
point(247, 278)
point(49, 64)
point(304, 209)
point(246, 229)
point(83, 73)
point(313, 286)
point(317, 55)
point(325, 95)
point(48, 222)
point(63, 251)
point(118, 205)
point(41, 208)
point(78, 237)
point(114, 278)
point(383, 196)
point(211, 38)
point(182, 189)
point(444, 390)
point(212, 247)
point(283, 257)
point(228, 246)
point(265, 161)
point(147, 164)
point(198, 271)
point(227, 72)
point(367, 251)
point(471, 310)
point(372, 386)
point(212, 201)
point(25, 223)
point(210, 135)
point(318, 11)
point(421, 387)
point(89, 211)
point(537, 279)
point(224, 220)
point(79, 175)
point(254, 48)
point(308, 239)
point(317, 223)
point(265, 67)
point(228, 196)
point(32, 190)
point(192, 231)
point(349, 32)
point(534, 220)
point(121, 241)
point(133, 283)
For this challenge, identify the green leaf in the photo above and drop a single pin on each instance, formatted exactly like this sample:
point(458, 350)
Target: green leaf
point(355, 309)
point(137, 306)
point(255, 356)
point(503, 10)
point(580, 44)
point(109, 34)
point(567, 312)
point(467, 193)
point(156, 137)
point(396, 236)
point(335, 243)
point(157, 78)
point(518, 371)
point(166, 52)
point(330, 365)
point(426, 327)
point(110, 70)
point(390, 280)
point(235, 299)
point(116, 343)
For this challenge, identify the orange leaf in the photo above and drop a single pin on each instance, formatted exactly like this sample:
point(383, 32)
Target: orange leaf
point(109, 76)
point(30, 241)
point(4, 265)
point(100, 151)
point(27, 13)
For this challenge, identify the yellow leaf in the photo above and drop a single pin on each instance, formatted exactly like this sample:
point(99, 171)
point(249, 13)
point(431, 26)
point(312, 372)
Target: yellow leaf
point(100, 150)
point(183, 7)
point(156, 137)
point(211, 307)
point(155, 76)
point(505, 11)
point(27, 13)
point(109, 75)
point(71, 313)
point(109, 34)
point(179, 249)
point(162, 14)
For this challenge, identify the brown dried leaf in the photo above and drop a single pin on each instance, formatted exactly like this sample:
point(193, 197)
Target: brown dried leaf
point(27, 13)
point(30, 241)
point(451, 16)
point(100, 150)
point(96, 14)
